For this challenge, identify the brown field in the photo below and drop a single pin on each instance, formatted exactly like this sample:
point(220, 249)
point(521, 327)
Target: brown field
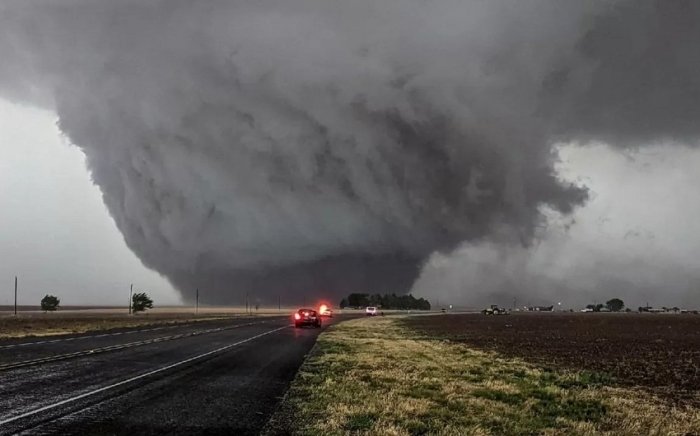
point(33, 322)
point(377, 376)
point(658, 352)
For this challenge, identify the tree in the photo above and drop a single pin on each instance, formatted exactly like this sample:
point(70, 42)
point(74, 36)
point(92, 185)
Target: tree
point(615, 305)
point(140, 301)
point(386, 301)
point(50, 303)
point(358, 300)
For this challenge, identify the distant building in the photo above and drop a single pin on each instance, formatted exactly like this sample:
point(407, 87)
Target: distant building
point(540, 308)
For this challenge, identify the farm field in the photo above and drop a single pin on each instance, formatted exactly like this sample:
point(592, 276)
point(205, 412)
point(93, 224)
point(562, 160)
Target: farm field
point(76, 320)
point(468, 374)
point(659, 352)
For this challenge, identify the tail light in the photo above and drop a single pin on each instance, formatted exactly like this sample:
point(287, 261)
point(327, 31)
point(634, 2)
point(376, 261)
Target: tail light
point(297, 316)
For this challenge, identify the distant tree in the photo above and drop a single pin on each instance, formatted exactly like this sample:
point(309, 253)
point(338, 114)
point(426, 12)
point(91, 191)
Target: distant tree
point(358, 300)
point(386, 301)
point(615, 305)
point(50, 303)
point(140, 301)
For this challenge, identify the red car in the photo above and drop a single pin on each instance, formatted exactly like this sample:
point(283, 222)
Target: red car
point(307, 317)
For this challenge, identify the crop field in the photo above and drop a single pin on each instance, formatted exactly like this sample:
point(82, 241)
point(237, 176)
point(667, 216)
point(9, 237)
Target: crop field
point(87, 319)
point(582, 374)
point(658, 352)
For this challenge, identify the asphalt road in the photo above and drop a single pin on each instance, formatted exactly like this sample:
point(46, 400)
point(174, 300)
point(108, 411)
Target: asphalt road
point(222, 377)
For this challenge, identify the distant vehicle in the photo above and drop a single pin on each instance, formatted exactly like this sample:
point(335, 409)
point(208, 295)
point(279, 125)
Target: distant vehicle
point(586, 309)
point(495, 310)
point(324, 310)
point(371, 311)
point(306, 317)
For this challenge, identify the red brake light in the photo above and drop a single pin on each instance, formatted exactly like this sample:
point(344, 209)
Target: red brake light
point(297, 316)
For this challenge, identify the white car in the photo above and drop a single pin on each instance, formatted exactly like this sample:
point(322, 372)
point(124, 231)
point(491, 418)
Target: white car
point(371, 311)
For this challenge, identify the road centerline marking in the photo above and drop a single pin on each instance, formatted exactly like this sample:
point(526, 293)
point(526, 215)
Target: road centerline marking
point(132, 379)
point(118, 347)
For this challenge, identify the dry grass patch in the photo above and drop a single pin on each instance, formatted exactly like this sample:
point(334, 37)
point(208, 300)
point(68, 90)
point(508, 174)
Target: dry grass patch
point(57, 324)
point(374, 376)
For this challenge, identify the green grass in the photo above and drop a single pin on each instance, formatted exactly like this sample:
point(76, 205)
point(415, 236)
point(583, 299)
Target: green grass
point(374, 376)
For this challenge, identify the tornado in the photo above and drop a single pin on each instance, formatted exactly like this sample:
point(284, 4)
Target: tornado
point(307, 149)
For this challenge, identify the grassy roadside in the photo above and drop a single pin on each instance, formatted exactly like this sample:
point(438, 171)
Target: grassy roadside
point(375, 376)
point(51, 325)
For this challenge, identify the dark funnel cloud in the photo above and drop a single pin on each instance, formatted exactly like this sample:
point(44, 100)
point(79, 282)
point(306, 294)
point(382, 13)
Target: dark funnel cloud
point(321, 147)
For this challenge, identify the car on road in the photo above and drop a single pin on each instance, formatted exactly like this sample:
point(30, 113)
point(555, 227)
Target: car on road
point(371, 311)
point(325, 311)
point(307, 317)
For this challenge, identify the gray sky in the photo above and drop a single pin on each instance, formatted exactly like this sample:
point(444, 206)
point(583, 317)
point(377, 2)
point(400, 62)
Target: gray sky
point(637, 238)
point(55, 232)
point(304, 148)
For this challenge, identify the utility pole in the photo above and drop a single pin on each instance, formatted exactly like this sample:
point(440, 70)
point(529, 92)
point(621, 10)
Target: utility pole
point(15, 295)
point(246, 303)
point(131, 290)
point(196, 303)
point(279, 303)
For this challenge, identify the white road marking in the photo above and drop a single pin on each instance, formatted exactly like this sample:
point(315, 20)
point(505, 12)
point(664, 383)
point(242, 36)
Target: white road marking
point(132, 379)
point(117, 347)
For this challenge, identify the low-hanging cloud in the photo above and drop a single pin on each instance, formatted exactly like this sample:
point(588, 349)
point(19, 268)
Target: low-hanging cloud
point(317, 147)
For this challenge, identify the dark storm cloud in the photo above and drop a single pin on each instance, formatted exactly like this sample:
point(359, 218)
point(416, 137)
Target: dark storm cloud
point(308, 146)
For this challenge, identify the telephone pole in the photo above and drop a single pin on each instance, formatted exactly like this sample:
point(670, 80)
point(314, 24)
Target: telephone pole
point(279, 303)
point(196, 303)
point(246, 303)
point(15, 295)
point(131, 290)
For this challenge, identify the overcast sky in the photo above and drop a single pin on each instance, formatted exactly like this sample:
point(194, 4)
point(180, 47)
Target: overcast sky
point(305, 148)
point(56, 234)
point(637, 238)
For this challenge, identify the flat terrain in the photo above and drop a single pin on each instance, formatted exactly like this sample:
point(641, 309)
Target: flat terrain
point(660, 352)
point(86, 319)
point(220, 376)
point(383, 376)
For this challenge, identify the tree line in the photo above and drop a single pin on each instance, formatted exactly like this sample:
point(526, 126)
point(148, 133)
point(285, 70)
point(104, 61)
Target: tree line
point(386, 301)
